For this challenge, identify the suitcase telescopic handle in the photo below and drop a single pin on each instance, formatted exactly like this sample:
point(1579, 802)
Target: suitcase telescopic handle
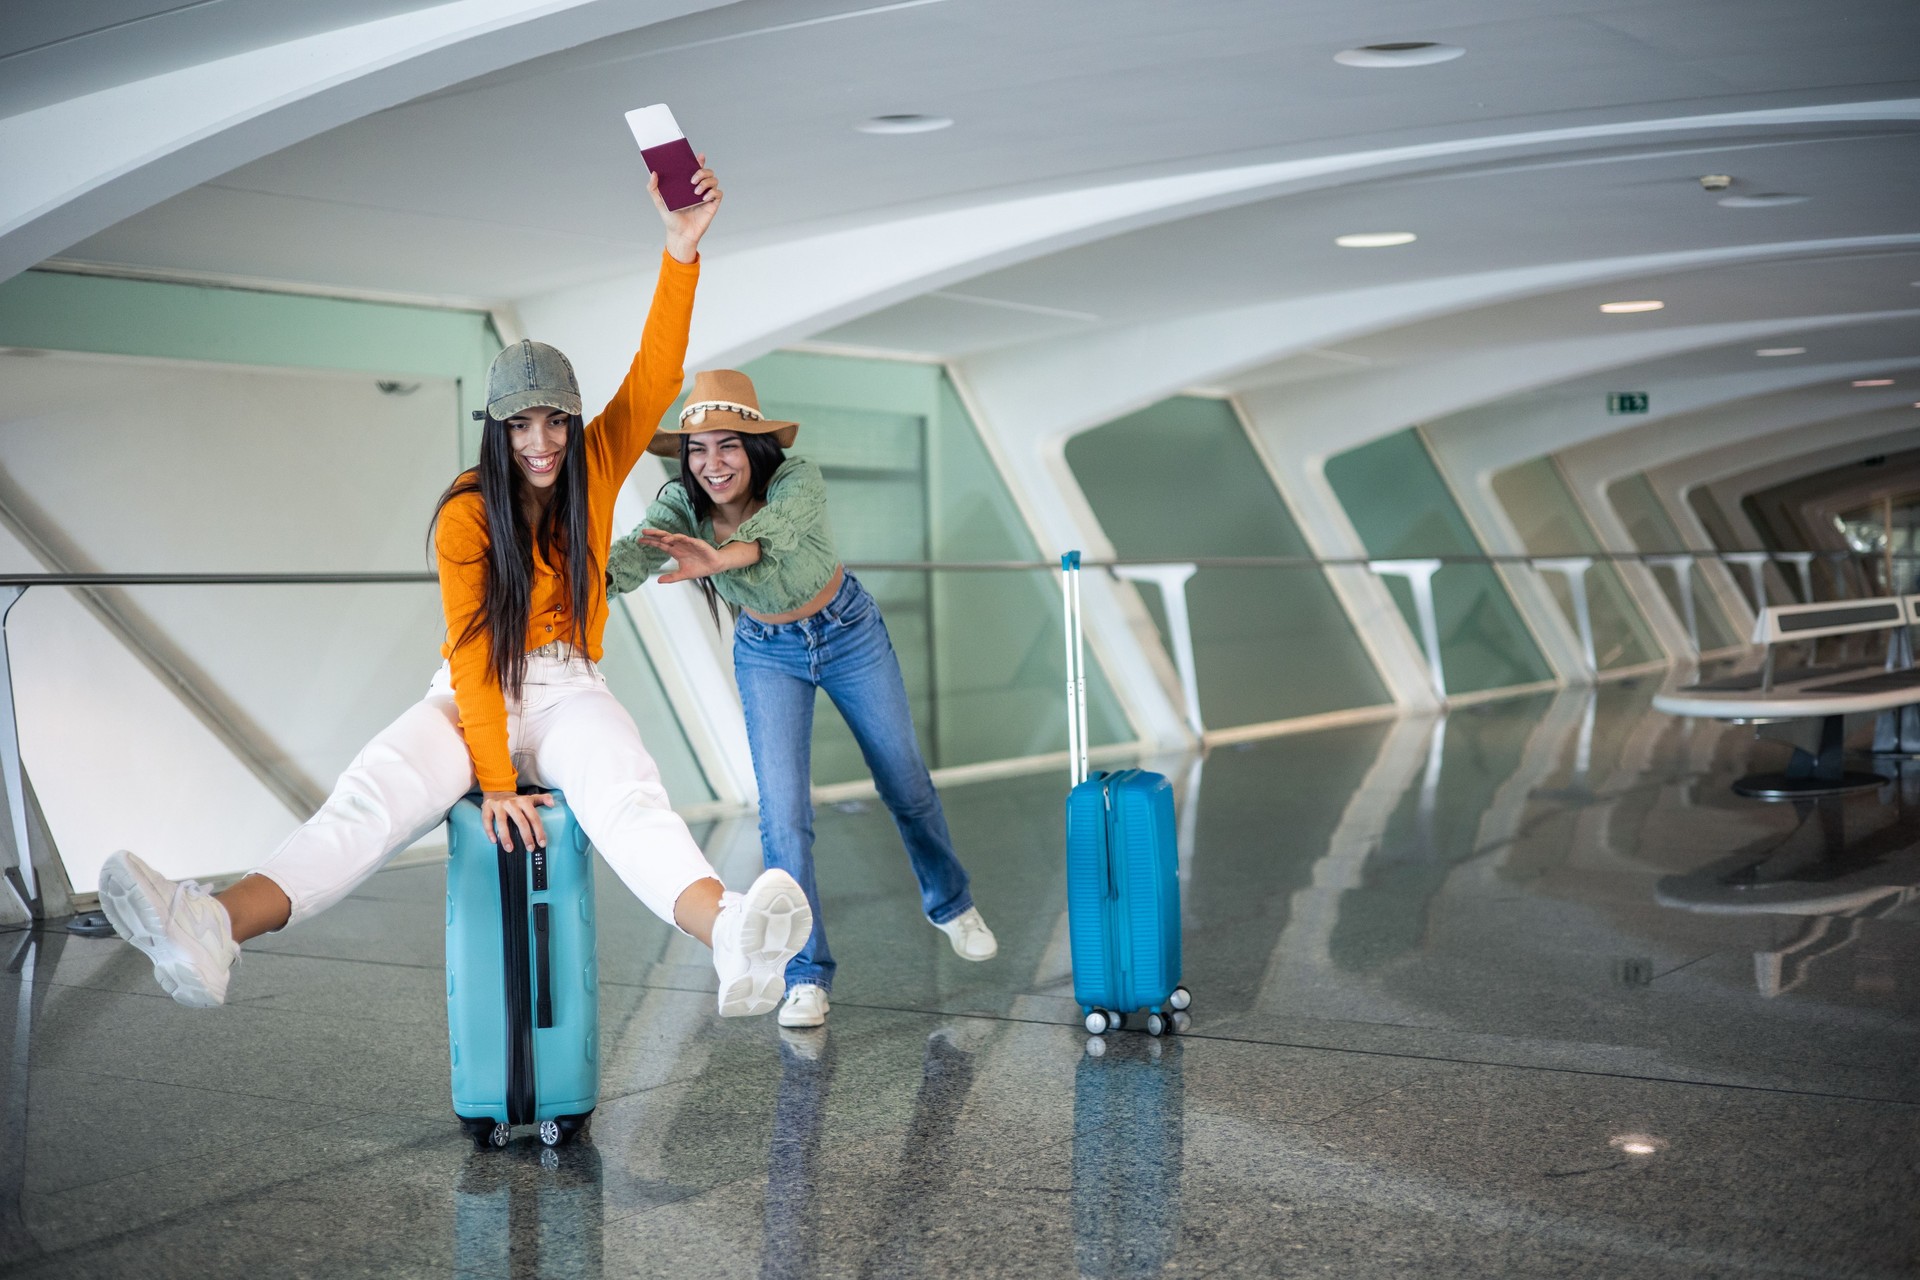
point(1076, 669)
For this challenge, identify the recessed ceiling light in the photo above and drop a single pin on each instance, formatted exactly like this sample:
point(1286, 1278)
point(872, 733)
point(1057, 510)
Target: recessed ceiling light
point(1627, 308)
point(905, 123)
point(1375, 239)
point(1762, 200)
point(1873, 382)
point(1781, 351)
point(1400, 53)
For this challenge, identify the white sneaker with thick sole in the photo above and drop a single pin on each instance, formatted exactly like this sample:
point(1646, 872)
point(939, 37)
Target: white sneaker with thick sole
point(183, 930)
point(971, 938)
point(806, 1005)
point(757, 933)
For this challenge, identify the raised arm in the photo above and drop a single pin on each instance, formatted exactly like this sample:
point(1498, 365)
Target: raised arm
point(617, 437)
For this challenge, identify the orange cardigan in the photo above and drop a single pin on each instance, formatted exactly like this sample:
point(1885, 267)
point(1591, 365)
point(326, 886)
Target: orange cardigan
point(614, 442)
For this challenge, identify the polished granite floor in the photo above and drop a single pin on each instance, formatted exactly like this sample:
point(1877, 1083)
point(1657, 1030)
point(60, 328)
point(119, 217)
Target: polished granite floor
point(1524, 992)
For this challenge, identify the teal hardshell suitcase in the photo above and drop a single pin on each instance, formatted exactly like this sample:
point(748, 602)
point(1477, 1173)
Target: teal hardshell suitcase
point(523, 1003)
point(1123, 884)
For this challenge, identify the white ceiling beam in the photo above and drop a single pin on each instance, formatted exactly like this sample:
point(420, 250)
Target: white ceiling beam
point(79, 166)
point(780, 292)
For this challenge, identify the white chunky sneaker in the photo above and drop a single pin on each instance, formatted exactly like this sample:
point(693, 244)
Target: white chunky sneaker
point(971, 938)
point(183, 930)
point(757, 933)
point(806, 1005)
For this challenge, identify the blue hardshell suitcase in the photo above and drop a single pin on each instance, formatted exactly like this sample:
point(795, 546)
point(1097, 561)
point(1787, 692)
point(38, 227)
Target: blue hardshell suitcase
point(1123, 885)
point(523, 1002)
point(1123, 892)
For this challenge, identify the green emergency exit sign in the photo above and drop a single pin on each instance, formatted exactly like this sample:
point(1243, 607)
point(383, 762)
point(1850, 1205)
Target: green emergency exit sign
point(1627, 402)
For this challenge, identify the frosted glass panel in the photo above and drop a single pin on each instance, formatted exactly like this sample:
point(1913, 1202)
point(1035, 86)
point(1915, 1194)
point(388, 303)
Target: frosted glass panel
point(1550, 523)
point(1180, 480)
point(1401, 508)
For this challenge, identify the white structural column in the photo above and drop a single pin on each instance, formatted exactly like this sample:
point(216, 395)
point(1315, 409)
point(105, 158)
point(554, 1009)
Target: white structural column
point(1300, 427)
point(1473, 448)
point(1796, 447)
point(1030, 399)
point(1694, 419)
point(1480, 446)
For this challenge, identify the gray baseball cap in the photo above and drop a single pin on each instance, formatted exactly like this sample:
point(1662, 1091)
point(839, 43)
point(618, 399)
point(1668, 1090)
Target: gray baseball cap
point(529, 374)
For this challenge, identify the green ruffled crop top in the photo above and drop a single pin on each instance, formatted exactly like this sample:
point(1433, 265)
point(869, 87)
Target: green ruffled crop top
point(797, 556)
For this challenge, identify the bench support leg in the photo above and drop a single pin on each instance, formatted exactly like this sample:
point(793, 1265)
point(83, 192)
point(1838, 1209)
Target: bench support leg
point(1812, 773)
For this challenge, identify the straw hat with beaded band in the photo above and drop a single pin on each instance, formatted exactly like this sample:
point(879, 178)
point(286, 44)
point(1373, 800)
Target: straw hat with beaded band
point(721, 400)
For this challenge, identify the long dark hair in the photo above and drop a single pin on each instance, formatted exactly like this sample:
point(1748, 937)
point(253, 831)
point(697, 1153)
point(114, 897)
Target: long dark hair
point(764, 457)
point(562, 536)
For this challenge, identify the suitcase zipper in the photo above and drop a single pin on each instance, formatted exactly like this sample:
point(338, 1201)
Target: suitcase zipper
point(517, 954)
point(1122, 948)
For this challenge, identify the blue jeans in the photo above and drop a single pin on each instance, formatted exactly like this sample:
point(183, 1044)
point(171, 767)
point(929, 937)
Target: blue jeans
point(843, 649)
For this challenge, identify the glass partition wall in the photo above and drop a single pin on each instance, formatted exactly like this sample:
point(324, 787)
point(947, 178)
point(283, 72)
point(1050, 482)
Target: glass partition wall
point(1550, 523)
point(1181, 479)
point(1401, 508)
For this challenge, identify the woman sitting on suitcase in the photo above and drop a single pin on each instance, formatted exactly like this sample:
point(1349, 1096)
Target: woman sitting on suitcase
point(521, 542)
point(750, 525)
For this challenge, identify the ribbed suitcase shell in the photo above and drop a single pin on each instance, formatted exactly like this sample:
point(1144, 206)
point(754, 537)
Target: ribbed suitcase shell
point(1123, 891)
point(566, 1055)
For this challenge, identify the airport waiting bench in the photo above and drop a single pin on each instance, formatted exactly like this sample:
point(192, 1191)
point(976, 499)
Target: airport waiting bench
point(1813, 694)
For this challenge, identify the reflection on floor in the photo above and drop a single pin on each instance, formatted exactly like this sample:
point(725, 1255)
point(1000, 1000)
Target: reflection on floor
point(1525, 992)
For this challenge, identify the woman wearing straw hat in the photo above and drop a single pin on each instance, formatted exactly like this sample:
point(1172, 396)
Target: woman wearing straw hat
point(521, 542)
point(749, 525)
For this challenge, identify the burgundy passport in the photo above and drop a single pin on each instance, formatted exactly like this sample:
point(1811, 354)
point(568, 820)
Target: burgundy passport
point(676, 164)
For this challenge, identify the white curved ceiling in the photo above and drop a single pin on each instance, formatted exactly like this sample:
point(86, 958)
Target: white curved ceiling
point(1136, 186)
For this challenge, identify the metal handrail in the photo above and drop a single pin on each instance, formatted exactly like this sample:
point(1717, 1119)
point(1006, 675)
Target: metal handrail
point(188, 579)
point(15, 585)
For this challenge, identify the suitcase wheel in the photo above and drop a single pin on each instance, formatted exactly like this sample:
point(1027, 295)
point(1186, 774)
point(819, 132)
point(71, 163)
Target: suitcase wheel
point(1099, 1021)
point(1180, 998)
point(550, 1133)
point(486, 1134)
point(1156, 1024)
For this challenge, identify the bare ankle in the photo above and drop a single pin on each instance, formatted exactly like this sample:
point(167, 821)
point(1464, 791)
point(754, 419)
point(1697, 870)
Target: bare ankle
point(697, 907)
point(254, 906)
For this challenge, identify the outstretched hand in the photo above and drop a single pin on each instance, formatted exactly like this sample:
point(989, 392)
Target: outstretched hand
point(686, 226)
point(692, 557)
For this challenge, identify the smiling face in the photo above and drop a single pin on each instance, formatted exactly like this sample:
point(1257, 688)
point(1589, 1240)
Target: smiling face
point(538, 438)
point(719, 462)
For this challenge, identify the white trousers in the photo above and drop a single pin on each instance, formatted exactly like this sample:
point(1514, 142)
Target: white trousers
point(567, 732)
